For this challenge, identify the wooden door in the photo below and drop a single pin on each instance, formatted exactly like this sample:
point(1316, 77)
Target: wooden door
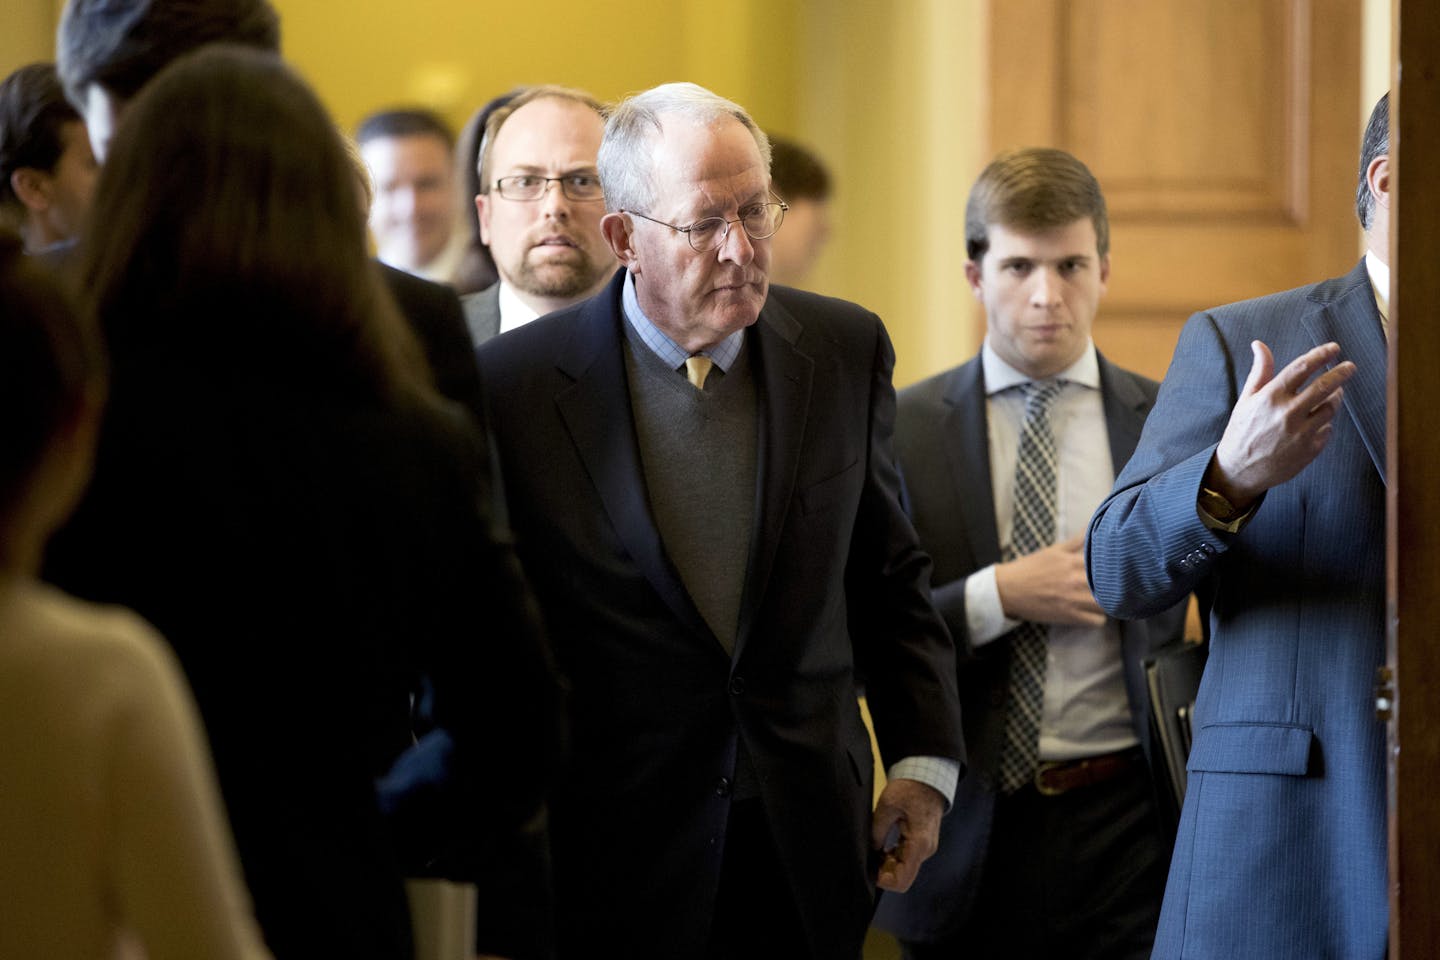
point(1225, 134)
point(1413, 448)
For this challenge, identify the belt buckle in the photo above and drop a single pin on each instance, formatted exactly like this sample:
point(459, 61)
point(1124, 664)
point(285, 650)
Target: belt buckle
point(1047, 767)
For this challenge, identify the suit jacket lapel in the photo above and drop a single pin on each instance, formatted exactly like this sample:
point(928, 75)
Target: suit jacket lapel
point(1125, 410)
point(1352, 320)
point(967, 453)
point(783, 378)
point(596, 410)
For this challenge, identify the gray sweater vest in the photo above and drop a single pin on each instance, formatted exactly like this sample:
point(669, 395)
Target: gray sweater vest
point(698, 452)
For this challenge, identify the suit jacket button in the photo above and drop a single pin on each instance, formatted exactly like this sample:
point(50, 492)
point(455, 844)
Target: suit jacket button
point(737, 685)
point(722, 787)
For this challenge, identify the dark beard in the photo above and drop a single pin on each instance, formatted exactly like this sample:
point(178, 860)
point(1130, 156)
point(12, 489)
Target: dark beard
point(559, 281)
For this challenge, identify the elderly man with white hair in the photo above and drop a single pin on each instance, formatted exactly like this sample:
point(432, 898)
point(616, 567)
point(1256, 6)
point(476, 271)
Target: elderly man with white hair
point(699, 473)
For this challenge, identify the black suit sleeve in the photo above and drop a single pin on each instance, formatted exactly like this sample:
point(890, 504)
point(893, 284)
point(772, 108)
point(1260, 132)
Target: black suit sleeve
point(434, 314)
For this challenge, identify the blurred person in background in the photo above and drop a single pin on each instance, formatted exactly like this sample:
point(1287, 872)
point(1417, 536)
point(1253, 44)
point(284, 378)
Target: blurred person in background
point(411, 156)
point(47, 171)
point(476, 269)
point(801, 180)
point(107, 50)
point(282, 493)
point(111, 826)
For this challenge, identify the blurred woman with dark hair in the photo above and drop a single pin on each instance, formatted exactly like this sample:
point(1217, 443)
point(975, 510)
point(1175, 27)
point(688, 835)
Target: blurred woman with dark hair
point(477, 267)
point(280, 490)
point(110, 822)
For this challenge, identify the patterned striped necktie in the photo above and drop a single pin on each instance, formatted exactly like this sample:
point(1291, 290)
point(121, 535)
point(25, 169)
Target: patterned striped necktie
point(1034, 529)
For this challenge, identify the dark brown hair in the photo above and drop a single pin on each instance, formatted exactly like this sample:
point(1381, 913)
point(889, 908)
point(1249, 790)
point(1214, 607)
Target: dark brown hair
point(1035, 189)
point(238, 230)
point(33, 114)
point(413, 122)
point(797, 173)
point(50, 361)
point(477, 267)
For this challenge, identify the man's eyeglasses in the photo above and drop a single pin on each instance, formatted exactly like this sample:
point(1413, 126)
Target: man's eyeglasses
point(759, 220)
point(530, 186)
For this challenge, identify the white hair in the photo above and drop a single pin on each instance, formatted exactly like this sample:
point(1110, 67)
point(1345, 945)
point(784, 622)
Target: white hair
point(625, 155)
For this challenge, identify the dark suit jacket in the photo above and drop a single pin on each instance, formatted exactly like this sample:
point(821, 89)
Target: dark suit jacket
point(308, 552)
point(1282, 848)
point(835, 581)
point(942, 442)
point(482, 313)
point(434, 314)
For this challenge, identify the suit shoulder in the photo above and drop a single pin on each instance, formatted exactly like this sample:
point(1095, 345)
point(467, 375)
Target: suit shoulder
point(1120, 379)
point(808, 306)
point(1282, 306)
point(410, 290)
point(536, 338)
point(929, 391)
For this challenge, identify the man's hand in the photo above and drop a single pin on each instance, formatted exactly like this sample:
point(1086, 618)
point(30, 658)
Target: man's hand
point(1279, 424)
point(913, 810)
point(1049, 586)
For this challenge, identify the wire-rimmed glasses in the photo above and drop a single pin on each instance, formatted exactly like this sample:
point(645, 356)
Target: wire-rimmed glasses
point(759, 220)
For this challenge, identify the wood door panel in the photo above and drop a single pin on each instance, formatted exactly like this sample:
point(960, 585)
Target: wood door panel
point(1225, 135)
point(1159, 95)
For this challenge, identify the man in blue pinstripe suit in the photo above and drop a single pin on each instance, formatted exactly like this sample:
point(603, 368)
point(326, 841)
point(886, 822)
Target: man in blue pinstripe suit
point(1259, 482)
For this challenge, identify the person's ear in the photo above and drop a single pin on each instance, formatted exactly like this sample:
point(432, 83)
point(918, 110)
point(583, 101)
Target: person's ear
point(973, 275)
point(619, 234)
point(34, 188)
point(1377, 177)
point(482, 211)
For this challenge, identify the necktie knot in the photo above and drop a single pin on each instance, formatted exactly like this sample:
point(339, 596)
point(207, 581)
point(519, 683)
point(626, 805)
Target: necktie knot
point(697, 368)
point(1040, 396)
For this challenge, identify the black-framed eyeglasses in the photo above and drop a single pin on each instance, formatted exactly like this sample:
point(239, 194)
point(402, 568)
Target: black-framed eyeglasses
point(532, 186)
point(759, 220)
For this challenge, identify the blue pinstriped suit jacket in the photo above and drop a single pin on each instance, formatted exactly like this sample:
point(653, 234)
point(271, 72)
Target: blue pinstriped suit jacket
point(1281, 850)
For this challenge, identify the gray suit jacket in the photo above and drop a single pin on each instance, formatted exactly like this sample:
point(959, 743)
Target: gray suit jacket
point(482, 313)
point(1281, 850)
point(942, 443)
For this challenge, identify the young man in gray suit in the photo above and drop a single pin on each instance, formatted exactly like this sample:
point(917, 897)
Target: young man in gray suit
point(1261, 482)
point(1055, 846)
point(540, 205)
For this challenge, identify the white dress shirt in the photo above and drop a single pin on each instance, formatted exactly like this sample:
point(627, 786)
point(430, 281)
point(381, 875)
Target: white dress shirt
point(514, 312)
point(1086, 708)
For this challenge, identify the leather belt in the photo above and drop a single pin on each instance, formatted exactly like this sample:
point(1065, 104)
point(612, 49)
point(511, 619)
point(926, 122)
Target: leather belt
point(1054, 777)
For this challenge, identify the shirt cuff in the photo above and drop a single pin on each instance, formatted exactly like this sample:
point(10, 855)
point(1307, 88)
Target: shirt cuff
point(1226, 526)
point(942, 773)
point(984, 614)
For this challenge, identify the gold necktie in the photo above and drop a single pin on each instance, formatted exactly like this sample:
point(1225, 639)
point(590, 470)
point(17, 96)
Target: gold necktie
point(696, 369)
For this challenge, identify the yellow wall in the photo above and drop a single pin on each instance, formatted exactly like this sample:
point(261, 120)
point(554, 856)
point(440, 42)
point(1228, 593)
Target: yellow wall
point(893, 95)
point(27, 32)
point(453, 55)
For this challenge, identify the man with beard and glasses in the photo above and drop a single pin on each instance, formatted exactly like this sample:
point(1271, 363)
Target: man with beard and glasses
point(540, 207)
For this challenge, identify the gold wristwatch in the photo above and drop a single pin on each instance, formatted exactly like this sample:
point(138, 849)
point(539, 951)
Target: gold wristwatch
point(1221, 510)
